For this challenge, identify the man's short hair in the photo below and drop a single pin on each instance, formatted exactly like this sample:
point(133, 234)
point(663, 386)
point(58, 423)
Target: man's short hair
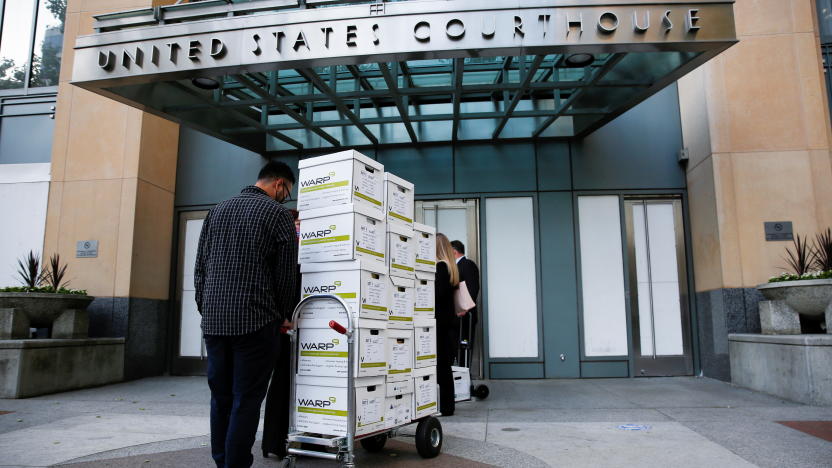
point(458, 246)
point(276, 170)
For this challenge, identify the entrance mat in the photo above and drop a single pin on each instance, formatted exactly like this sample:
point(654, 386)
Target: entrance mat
point(395, 454)
point(819, 429)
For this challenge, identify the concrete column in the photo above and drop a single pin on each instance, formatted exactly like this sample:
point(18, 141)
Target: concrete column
point(113, 180)
point(757, 124)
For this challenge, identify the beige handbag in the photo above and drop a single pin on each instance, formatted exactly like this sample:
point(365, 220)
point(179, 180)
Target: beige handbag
point(462, 299)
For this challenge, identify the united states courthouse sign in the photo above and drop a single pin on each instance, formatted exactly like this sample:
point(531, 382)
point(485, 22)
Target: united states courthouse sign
point(399, 31)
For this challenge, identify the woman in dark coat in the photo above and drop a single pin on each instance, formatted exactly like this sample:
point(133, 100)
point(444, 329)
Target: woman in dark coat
point(447, 323)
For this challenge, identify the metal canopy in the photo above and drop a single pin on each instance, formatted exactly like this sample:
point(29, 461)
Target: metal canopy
point(311, 76)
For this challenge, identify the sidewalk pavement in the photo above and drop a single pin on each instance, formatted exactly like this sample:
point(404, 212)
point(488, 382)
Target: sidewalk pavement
point(678, 422)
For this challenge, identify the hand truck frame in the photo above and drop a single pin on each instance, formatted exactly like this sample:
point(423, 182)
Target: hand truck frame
point(429, 434)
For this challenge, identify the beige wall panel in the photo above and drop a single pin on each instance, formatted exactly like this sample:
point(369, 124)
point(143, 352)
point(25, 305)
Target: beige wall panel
point(694, 107)
point(152, 242)
point(126, 234)
point(754, 17)
point(812, 88)
point(113, 5)
point(717, 113)
point(726, 209)
point(132, 142)
point(96, 132)
point(60, 134)
point(803, 15)
point(159, 151)
point(764, 99)
point(771, 186)
point(68, 51)
point(90, 210)
point(53, 218)
point(704, 227)
point(821, 161)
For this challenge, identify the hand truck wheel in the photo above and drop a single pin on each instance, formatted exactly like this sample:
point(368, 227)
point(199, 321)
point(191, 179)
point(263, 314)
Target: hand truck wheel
point(480, 392)
point(429, 437)
point(289, 461)
point(374, 443)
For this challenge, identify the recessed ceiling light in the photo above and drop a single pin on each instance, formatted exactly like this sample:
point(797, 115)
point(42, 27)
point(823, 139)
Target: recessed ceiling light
point(579, 60)
point(205, 83)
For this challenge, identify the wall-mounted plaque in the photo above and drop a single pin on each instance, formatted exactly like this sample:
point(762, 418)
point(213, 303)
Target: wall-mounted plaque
point(779, 231)
point(86, 249)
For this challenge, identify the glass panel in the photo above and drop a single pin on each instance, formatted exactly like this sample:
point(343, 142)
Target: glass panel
point(602, 276)
point(664, 275)
point(14, 43)
point(190, 335)
point(825, 20)
point(49, 42)
point(512, 278)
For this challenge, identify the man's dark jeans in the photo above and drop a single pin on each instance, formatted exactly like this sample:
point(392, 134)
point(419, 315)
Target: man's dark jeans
point(238, 375)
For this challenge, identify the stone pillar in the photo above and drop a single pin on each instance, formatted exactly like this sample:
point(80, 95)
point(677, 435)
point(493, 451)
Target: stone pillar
point(113, 180)
point(14, 324)
point(756, 122)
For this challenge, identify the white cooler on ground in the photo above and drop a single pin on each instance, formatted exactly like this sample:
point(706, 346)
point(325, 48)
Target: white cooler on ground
point(324, 352)
point(424, 342)
point(399, 354)
point(425, 296)
point(341, 178)
point(398, 200)
point(402, 299)
point(361, 284)
point(321, 405)
point(401, 251)
point(342, 232)
point(425, 392)
point(425, 247)
point(398, 408)
point(462, 383)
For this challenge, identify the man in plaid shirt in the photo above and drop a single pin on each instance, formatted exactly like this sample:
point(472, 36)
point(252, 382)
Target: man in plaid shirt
point(245, 279)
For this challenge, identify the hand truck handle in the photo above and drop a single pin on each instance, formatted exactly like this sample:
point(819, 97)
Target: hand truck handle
point(337, 327)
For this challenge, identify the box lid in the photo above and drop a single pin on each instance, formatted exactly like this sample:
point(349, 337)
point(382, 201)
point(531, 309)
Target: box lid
point(346, 265)
point(421, 275)
point(396, 228)
point(423, 371)
point(341, 209)
point(419, 321)
point(340, 156)
point(370, 324)
point(403, 282)
point(399, 333)
point(419, 227)
point(390, 177)
point(339, 381)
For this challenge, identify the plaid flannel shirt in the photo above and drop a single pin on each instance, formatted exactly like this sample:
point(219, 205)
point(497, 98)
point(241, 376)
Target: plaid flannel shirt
point(245, 266)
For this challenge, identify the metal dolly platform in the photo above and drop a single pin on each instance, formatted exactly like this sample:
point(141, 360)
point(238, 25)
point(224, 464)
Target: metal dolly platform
point(342, 448)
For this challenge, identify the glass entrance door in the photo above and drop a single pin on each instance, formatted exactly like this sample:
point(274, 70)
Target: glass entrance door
point(189, 350)
point(658, 287)
point(459, 220)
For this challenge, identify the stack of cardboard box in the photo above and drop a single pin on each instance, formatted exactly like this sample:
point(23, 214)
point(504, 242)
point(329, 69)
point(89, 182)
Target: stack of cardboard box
point(357, 242)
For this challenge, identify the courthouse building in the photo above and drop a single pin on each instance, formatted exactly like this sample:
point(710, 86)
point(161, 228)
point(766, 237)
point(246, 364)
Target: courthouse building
point(610, 164)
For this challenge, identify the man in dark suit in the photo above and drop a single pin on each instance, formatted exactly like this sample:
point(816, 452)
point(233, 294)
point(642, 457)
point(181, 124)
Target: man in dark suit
point(469, 273)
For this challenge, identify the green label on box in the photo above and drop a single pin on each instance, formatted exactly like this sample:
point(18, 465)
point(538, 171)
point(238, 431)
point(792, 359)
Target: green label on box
point(328, 412)
point(324, 240)
point(341, 183)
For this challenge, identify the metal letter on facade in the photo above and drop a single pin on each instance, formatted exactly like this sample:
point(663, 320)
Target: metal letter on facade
point(641, 28)
point(376, 38)
point(352, 35)
point(136, 57)
point(422, 31)
point(301, 41)
point(256, 50)
point(607, 22)
point(327, 31)
point(217, 49)
point(455, 29)
point(194, 49)
point(668, 24)
point(489, 30)
point(106, 60)
point(692, 21)
point(518, 27)
point(173, 47)
point(571, 23)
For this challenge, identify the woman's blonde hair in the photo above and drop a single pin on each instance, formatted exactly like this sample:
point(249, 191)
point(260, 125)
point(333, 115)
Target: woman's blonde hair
point(444, 253)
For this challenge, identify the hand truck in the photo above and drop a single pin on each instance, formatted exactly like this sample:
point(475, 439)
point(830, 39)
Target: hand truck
point(342, 448)
point(464, 362)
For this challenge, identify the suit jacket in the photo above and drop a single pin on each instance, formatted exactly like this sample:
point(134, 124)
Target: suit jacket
point(470, 273)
